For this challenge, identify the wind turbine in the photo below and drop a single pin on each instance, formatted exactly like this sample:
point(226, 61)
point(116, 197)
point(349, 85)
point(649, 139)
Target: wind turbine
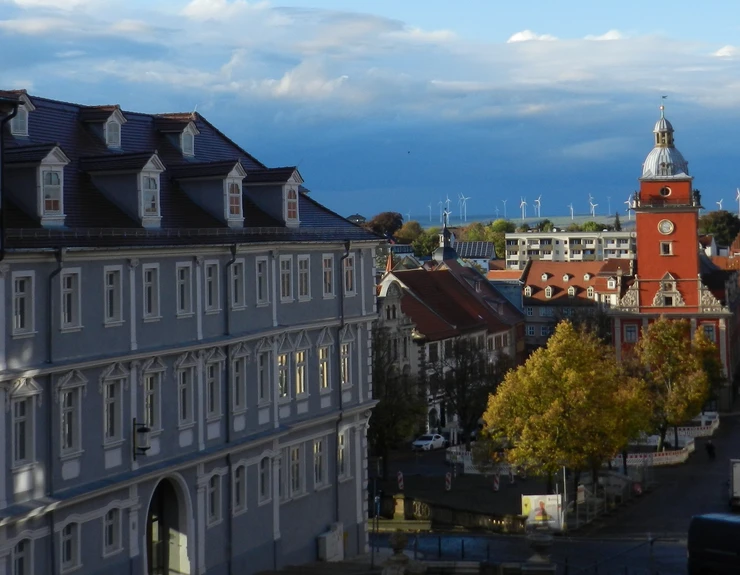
point(430, 212)
point(447, 201)
point(737, 197)
point(441, 211)
point(538, 206)
point(719, 203)
point(629, 209)
point(460, 202)
point(523, 206)
point(465, 206)
point(504, 202)
point(496, 210)
point(593, 209)
point(608, 205)
point(408, 216)
point(571, 210)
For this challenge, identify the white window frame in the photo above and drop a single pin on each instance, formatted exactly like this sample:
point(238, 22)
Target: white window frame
point(349, 276)
point(611, 284)
point(264, 394)
point(291, 200)
point(70, 533)
point(54, 189)
point(184, 290)
point(286, 279)
point(19, 123)
point(527, 291)
point(283, 379)
point(116, 291)
point(324, 368)
point(262, 281)
point(112, 524)
point(327, 275)
point(590, 292)
point(548, 292)
point(344, 468)
point(631, 329)
point(530, 311)
point(152, 398)
point(146, 194)
point(212, 287)
point(304, 277)
point(188, 135)
point(264, 480)
point(231, 184)
point(345, 363)
point(297, 479)
point(237, 287)
point(301, 373)
point(571, 291)
point(75, 388)
point(186, 386)
point(28, 420)
point(74, 300)
point(214, 500)
point(320, 463)
point(113, 405)
point(213, 377)
point(239, 494)
point(531, 331)
point(28, 300)
point(112, 139)
point(26, 555)
point(239, 384)
point(153, 314)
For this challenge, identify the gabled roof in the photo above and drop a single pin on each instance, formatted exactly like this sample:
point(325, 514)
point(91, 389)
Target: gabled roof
point(475, 250)
point(101, 113)
point(29, 154)
point(116, 163)
point(504, 275)
point(554, 273)
point(272, 175)
point(218, 169)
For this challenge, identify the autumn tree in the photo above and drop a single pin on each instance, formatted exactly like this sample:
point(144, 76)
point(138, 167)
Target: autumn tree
point(673, 368)
point(409, 232)
point(402, 405)
point(385, 223)
point(723, 225)
point(503, 226)
point(568, 405)
point(475, 232)
point(426, 243)
point(592, 318)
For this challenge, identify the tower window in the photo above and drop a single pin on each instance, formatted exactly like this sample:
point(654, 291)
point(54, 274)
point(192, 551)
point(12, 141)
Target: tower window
point(666, 249)
point(665, 192)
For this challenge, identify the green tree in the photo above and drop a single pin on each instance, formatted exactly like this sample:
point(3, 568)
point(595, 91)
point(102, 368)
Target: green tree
point(402, 405)
point(592, 318)
point(723, 225)
point(502, 225)
point(593, 227)
point(523, 227)
point(545, 225)
point(568, 405)
point(673, 368)
point(617, 223)
point(475, 232)
point(499, 242)
point(426, 243)
point(574, 227)
point(409, 232)
point(385, 223)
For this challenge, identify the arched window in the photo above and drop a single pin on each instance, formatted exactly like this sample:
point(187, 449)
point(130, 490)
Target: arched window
point(235, 200)
point(240, 488)
point(590, 292)
point(264, 479)
point(188, 144)
point(19, 123)
point(113, 134)
point(548, 292)
point(528, 291)
point(22, 557)
point(291, 205)
point(571, 291)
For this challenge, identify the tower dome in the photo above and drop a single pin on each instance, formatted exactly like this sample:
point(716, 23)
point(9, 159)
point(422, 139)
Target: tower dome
point(664, 160)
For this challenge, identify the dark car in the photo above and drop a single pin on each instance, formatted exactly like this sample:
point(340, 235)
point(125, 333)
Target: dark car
point(714, 544)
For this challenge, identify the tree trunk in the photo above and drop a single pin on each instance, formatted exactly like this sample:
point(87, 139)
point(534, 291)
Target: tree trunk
point(576, 479)
point(549, 487)
point(675, 436)
point(384, 463)
point(661, 440)
point(624, 460)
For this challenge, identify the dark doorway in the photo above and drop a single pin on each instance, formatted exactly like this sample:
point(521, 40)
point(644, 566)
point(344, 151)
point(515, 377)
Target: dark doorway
point(166, 537)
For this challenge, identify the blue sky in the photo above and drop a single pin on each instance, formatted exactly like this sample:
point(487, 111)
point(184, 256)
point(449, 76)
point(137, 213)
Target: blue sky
point(395, 104)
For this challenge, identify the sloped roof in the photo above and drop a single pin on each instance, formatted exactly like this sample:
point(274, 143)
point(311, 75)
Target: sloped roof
point(427, 322)
point(553, 273)
point(504, 275)
point(271, 175)
point(475, 250)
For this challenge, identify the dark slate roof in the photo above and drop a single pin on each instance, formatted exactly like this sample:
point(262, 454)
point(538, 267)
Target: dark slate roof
point(97, 113)
point(475, 250)
point(93, 220)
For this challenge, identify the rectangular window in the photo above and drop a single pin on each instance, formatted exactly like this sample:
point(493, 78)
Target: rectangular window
point(239, 384)
point(150, 274)
point(280, 466)
point(212, 285)
point(22, 431)
point(70, 540)
point(283, 379)
point(544, 330)
point(286, 278)
point(185, 396)
point(291, 205)
point(530, 311)
point(328, 274)
point(710, 332)
point(319, 463)
point(113, 134)
point(666, 248)
point(263, 284)
point(300, 373)
point(112, 532)
point(19, 124)
point(150, 195)
point(349, 275)
point(184, 289)
point(296, 471)
point(113, 295)
point(530, 330)
point(343, 454)
point(630, 333)
point(214, 499)
point(324, 368)
point(240, 489)
point(52, 192)
point(263, 376)
point(434, 352)
point(213, 390)
point(113, 410)
point(71, 299)
point(70, 414)
point(265, 479)
point(152, 382)
point(235, 200)
point(23, 303)
point(304, 278)
point(345, 363)
point(238, 300)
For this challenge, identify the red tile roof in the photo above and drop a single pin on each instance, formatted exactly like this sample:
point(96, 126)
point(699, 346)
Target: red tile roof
point(504, 274)
point(554, 272)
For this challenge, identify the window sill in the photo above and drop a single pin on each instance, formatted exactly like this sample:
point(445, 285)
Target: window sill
point(77, 567)
point(71, 329)
point(24, 334)
point(325, 391)
point(238, 511)
point(213, 311)
point(262, 502)
point(71, 455)
point(287, 300)
point(302, 299)
point(329, 296)
point(302, 396)
point(296, 497)
point(22, 466)
point(264, 403)
point(263, 303)
point(112, 552)
point(239, 410)
point(322, 487)
point(113, 443)
point(345, 479)
point(152, 318)
point(213, 523)
point(238, 308)
point(155, 432)
point(346, 386)
point(117, 323)
point(184, 315)
point(185, 425)
point(350, 294)
point(213, 418)
point(284, 400)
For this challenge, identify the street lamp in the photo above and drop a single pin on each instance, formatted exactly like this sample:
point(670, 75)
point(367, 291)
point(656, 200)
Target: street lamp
point(140, 439)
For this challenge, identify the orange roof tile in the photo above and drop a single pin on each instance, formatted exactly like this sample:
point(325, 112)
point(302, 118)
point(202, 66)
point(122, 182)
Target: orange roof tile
point(553, 274)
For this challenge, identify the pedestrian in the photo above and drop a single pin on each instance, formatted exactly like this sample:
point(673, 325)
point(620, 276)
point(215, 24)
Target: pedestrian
point(710, 449)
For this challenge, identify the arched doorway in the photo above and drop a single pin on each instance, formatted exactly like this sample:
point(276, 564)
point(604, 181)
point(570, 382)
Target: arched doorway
point(167, 531)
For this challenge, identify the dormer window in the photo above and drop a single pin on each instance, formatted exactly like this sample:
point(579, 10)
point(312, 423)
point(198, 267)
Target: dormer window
point(566, 277)
point(590, 293)
point(50, 180)
point(548, 292)
point(291, 205)
point(113, 133)
point(528, 291)
point(149, 193)
point(544, 276)
point(611, 283)
point(187, 140)
point(235, 200)
point(52, 192)
point(19, 123)
point(571, 291)
point(586, 277)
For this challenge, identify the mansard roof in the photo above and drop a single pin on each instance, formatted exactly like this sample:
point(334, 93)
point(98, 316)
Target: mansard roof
point(93, 220)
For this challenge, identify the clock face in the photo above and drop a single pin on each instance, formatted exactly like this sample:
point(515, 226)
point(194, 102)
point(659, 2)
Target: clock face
point(665, 227)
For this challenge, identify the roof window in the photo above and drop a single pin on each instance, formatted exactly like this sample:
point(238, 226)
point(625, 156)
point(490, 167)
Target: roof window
point(548, 292)
point(113, 133)
point(19, 123)
point(187, 140)
point(528, 291)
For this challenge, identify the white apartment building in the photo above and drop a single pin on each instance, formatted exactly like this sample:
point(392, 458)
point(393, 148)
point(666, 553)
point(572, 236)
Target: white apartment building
point(564, 246)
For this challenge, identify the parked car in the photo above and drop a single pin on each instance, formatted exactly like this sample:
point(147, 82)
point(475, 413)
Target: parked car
point(428, 442)
point(713, 544)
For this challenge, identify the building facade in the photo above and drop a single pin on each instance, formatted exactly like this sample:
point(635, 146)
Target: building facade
point(185, 383)
point(563, 246)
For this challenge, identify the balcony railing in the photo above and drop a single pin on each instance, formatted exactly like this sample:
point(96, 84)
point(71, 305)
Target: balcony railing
point(661, 202)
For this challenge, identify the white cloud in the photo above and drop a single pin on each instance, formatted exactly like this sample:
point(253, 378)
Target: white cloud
point(610, 35)
point(306, 81)
point(130, 27)
point(425, 36)
point(35, 26)
point(600, 149)
point(220, 9)
point(70, 54)
point(66, 5)
point(727, 52)
point(528, 35)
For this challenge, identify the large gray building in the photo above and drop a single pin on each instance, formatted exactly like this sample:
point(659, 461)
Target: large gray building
point(165, 289)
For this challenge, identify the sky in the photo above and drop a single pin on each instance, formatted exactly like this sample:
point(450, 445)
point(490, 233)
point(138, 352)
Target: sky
point(399, 104)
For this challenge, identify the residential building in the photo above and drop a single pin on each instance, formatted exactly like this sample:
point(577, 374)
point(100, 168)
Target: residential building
point(184, 382)
point(425, 309)
point(564, 246)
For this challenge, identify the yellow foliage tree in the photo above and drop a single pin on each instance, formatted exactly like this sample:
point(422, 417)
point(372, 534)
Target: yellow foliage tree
point(568, 405)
